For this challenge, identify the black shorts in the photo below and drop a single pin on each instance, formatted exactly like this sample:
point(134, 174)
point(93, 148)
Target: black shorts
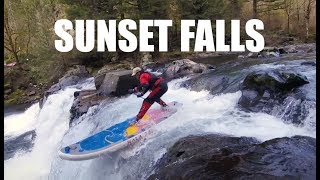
point(157, 92)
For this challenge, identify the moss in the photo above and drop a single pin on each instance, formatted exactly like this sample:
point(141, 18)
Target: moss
point(16, 97)
point(94, 71)
point(122, 66)
point(7, 85)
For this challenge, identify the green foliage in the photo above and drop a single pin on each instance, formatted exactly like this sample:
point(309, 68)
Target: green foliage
point(76, 12)
point(15, 98)
point(202, 9)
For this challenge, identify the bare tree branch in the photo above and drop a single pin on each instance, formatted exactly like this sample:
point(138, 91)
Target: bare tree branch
point(130, 3)
point(7, 48)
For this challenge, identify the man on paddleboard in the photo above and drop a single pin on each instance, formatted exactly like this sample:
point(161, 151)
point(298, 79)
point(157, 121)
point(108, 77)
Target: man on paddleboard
point(148, 81)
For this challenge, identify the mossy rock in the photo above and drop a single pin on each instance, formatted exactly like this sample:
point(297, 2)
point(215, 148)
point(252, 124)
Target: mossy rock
point(122, 66)
point(16, 97)
point(7, 86)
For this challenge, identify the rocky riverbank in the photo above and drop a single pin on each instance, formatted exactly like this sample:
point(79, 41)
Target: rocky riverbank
point(29, 92)
point(260, 89)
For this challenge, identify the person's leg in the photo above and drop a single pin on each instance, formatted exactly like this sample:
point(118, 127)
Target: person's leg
point(148, 102)
point(163, 90)
point(144, 108)
point(162, 103)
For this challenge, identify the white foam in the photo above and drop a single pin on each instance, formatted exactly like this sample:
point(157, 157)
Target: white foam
point(50, 124)
point(17, 124)
point(200, 113)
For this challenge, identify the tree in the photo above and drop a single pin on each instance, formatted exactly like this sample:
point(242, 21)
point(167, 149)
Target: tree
point(308, 4)
point(298, 6)
point(18, 28)
point(288, 8)
point(254, 9)
point(10, 36)
point(235, 7)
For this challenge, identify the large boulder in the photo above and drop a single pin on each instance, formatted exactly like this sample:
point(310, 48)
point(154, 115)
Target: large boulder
point(291, 49)
point(99, 77)
point(155, 67)
point(23, 142)
point(300, 48)
point(222, 157)
point(117, 83)
point(72, 77)
point(268, 92)
point(309, 63)
point(146, 58)
point(274, 80)
point(183, 67)
point(83, 100)
point(214, 82)
point(267, 52)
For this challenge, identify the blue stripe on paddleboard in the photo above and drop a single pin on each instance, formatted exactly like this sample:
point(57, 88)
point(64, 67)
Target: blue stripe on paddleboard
point(107, 137)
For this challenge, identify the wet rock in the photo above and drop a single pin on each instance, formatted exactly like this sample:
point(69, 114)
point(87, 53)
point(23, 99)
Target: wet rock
point(302, 48)
point(214, 82)
point(68, 81)
point(282, 51)
point(267, 52)
point(83, 100)
point(291, 49)
point(272, 54)
point(72, 77)
point(115, 83)
point(54, 88)
point(79, 71)
point(241, 57)
point(146, 58)
point(267, 91)
point(31, 93)
point(310, 50)
point(7, 91)
point(118, 83)
point(276, 81)
point(309, 63)
point(177, 68)
point(252, 55)
point(207, 54)
point(155, 67)
point(99, 77)
point(23, 142)
point(222, 157)
point(294, 109)
point(42, 101)
point(183, 67)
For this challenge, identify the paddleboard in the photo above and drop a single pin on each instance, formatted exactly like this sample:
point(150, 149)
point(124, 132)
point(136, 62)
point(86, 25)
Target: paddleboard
point(117, 136)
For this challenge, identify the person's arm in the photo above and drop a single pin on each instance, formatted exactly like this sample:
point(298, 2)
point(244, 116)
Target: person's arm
point(144, 83)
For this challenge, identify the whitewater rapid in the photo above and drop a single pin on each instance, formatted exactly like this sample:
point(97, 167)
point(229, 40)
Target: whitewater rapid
point(50, 124)
point(201, 113)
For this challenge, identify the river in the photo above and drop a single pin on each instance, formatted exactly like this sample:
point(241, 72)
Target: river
point(201, 113)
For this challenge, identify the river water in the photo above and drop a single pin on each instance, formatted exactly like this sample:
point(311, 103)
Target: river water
point(201, 113)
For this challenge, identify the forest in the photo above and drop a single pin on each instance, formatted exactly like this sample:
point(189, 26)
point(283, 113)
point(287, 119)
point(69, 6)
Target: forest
point(29, 32)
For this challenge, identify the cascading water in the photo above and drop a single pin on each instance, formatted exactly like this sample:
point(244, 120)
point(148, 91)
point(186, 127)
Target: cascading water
point(50, 124)
point(201, 113)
